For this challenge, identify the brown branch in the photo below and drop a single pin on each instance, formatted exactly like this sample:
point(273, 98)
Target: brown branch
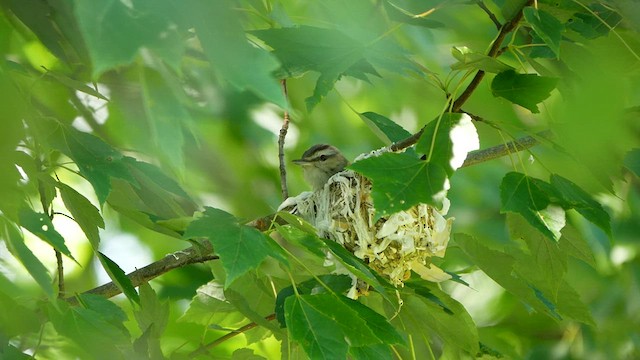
point(493, 18)
point(60, 274)
point(479, 156)
point(494, 51)
point(283, 134)
point(198, 253)
point(203, 349)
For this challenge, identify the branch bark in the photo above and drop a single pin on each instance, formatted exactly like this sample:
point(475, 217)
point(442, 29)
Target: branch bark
point(283, 133)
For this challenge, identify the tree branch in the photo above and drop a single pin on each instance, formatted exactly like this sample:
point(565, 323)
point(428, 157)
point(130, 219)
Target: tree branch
point(493, 18)
point(283, 134)
point(479, 156)
point(200, 252)
point(494, 51)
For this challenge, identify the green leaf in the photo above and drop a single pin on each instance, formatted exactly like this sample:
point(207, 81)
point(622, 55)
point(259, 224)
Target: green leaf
point(119, 278)
point(401, 181)
point(526, 90)
point(40, 225)
point(241, 248)
point(166, 115)
point(84, 213)
point(327, 324)
point(209, 306)
point(327, 51)
point(114, 32)
point(337, 283)
point(385, 129)
point(445, 317)
point(550, 260)
point(590, 26)
point(75, 84)
point(93, 329)
point(468, 59)
point(152, 318)
point(15, 243)
point(574, 244)
point(528, 197)
point(378, 351)
point(447, 140)
point(546, 26)
point(632, 161)
point(572, 196)
point(97, 161)
point(15, 317)
point(306, 240)
point(229, 52)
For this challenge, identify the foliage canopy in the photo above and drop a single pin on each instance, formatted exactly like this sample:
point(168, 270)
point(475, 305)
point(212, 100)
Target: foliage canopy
point(133, 129)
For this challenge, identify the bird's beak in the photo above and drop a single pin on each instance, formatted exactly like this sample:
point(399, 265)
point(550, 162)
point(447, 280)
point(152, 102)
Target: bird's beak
point(300, 162)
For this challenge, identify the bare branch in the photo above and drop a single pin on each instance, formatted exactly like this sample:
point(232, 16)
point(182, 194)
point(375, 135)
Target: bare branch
point(198, 253)
point(60, 274)
point(479, 156)
point(283, 134)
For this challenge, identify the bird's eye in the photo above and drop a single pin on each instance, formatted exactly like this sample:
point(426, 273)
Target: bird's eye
point(323, 157)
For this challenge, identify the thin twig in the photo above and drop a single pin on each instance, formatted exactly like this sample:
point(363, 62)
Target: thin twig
point(492, 16)
point(203, 349)
point(283, 134)
point(87, 115)
point(60, 274)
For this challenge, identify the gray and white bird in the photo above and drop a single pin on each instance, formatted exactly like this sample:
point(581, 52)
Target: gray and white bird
point(319, 163)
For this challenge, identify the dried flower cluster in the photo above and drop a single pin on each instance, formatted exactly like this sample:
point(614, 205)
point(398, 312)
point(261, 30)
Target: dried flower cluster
point(393, 245)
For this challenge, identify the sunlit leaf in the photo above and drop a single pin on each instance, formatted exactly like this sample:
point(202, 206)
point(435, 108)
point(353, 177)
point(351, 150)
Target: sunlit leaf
point(574, 244)
point(546, 26)
point(15, 243)
point(407, 11)
point(632, 161)
point(526, 90)
point(40, 225)
point(83, 212)
point(241, 248)
point(589, 26)
point(401, 181)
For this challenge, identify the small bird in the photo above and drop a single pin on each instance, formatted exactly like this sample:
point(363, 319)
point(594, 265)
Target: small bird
point(319, 163)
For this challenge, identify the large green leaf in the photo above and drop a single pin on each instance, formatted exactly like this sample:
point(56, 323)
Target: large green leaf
point(574, 244)
point(327, 324)
point(401, 181)
point(115, 32)
point(548, 28)
point(420, 316)
point(232, 56)
point(166, 115)
point(632, 161)
point(527, 196)
point(526, 90)
point(83, 212)
point(447, 140)
point(96, 327)
point(152, 319)
point(15, 243)
point(572, 196)
point(549, 260)
point(241, 248)
point(408, 12)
